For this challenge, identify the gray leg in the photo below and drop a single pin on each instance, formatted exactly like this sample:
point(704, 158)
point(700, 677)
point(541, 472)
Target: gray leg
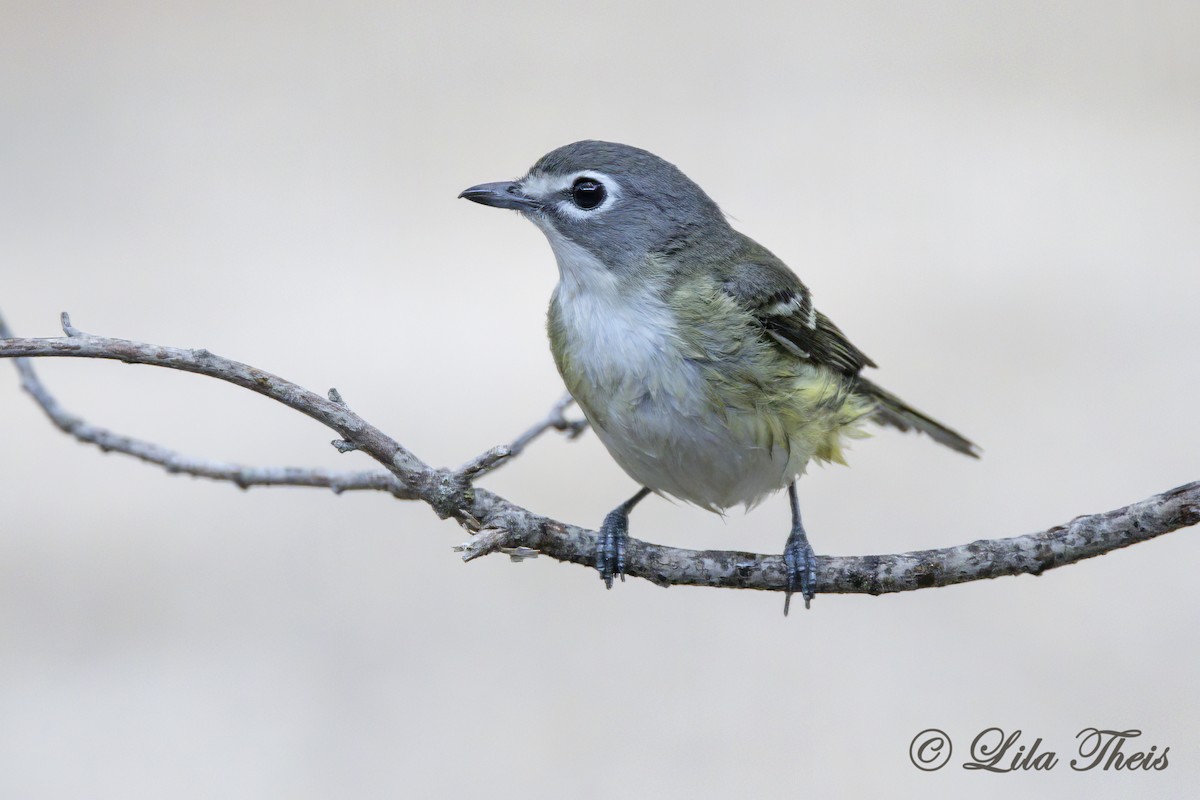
point(610, 550)
point(799, 557)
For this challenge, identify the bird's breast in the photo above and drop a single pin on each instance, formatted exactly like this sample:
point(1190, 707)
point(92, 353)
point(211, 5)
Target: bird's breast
point(679, 384)
point(661, 412)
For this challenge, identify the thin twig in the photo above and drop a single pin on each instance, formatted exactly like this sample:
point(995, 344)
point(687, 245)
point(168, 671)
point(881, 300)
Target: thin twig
point(180, 463)
point(557, 420)
point(499, 456)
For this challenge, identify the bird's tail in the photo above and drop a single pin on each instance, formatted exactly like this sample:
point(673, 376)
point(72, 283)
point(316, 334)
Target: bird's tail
point(891, 411)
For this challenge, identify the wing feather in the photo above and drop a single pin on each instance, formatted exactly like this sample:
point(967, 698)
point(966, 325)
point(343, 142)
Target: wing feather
point(784, 307)
point(772, 293)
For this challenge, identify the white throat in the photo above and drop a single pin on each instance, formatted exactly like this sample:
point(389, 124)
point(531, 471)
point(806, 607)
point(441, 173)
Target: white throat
point(579, 272)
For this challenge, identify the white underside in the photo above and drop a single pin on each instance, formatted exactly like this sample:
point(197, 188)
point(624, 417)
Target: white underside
point(647, 403)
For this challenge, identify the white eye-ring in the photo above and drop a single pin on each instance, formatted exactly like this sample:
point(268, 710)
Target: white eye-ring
point(586, 194)
point(579, 195)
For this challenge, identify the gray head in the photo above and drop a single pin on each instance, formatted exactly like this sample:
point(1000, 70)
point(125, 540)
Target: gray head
point(619, 203)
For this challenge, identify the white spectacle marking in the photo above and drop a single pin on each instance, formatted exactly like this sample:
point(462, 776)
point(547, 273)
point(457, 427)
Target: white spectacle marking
point(548, 187)
point(542, 186)
point(812, 317)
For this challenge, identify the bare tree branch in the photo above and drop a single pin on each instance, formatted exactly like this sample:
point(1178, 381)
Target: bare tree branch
point(505, 527)
point(175, 462)
point(245, 476)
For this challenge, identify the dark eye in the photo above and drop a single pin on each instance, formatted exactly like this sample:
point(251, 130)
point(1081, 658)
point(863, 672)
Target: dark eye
point(587, 193)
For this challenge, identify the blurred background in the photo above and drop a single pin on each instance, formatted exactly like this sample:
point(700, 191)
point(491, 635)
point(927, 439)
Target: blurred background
point(998, 202)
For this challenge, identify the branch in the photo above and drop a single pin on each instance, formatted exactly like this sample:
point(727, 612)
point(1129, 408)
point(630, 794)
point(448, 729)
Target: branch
point(175, 462)
point(506, 527)
point(243, 476)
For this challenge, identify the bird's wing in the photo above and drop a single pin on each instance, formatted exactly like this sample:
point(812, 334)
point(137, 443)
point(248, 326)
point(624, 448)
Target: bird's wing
point(770, 291)
point(783, 306)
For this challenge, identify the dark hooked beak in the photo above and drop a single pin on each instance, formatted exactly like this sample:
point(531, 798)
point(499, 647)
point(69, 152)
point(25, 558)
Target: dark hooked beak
point(505, 194)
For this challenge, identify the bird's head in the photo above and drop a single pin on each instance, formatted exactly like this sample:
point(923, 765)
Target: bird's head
point(619, 203)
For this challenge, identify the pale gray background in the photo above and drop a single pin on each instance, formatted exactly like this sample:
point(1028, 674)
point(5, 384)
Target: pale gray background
point(998, 202)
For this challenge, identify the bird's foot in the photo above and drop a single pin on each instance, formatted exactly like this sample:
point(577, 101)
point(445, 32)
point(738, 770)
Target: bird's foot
point(610, 549)
point(801, 564)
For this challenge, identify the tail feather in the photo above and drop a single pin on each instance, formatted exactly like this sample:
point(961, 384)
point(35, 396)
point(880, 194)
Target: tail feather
point(891, 411)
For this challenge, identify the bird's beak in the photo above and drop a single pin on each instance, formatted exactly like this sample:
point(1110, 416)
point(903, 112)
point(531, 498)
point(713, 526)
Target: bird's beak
point(505, 194)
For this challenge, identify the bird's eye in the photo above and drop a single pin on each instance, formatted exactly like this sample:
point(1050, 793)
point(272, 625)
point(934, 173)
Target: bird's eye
point(588, 193)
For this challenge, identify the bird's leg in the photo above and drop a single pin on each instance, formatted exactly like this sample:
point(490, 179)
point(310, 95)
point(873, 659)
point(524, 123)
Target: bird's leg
point(799, 557)
point(610, 550)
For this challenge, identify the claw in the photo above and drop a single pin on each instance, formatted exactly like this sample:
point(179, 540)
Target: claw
point(801, 564)
point(610, 551)
point(614, 533)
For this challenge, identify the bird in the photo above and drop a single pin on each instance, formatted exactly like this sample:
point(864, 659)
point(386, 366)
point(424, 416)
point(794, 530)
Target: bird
point(696, 355)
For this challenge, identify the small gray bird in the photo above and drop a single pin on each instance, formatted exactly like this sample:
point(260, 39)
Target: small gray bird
point(697, 356)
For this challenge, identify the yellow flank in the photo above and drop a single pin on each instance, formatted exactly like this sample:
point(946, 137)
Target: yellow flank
point(768, 395)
